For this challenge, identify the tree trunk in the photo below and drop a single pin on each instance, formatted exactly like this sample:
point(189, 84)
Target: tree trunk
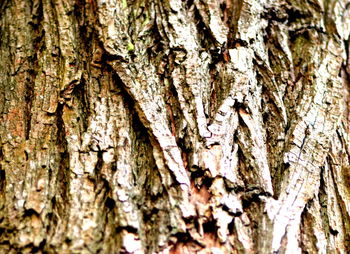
point(199, 126)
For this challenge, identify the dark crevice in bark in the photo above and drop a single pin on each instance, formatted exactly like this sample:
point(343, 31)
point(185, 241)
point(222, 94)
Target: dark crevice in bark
point(333, 231)
point(3, 6)
point(206, 37)
point(61, 201)
point(241, 166)
point(52, 217)
point(273, 14)
point(347, 52)
point(136, 119)
point(102, 187)
point(221, 82)
point(237, 244)
point(174, 110)
point(296, 15)
point(2, 178)
point(322, 197)
point(198, 176)
point(207, 181)
point(345, 75)
point(213, 103)
point(183, 239)
point(152, 218)
point(231, 226)
point(247, 167)
point(252, 195)
point(175, 116)
point(345, 218)
point(127, 228)
point(2, 201)
point(30, 213)
point(40, 248)
point(110, 203)
point(99, 163)
point(146, 176)
point(273, 122)
point(2, 182)
point(37, 42)
point(259, 234)
point(233, 14)
point(106, 57)
point(117, 85)
point(210, 227)
point(308, 240)
point(28, 99)
point(80, 93)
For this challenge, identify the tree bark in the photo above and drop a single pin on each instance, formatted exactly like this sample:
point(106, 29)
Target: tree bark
point(149, 126)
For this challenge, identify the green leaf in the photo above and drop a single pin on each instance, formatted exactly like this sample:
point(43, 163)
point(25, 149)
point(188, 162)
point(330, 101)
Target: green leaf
point(130, 47)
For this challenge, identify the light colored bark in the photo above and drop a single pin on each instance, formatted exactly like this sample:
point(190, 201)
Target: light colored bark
point(174, 126)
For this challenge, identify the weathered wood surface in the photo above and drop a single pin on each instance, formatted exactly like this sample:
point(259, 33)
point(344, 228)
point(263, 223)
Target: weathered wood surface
point(148, 126)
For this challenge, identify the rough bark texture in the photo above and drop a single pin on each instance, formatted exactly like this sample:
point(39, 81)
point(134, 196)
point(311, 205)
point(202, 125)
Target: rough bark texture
point(150, 126)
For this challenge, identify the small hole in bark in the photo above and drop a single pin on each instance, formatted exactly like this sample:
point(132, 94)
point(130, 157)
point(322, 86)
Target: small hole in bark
point(127, 228)
point(196, 225)
point(99, 163)
point(265, 117)
point(223, 6)
point(189, 3)
point(333, 231)
point(50, 217)
point(207, 182)
point(73, 63)
point(250, 198)
point(188, 220)
point(196, 173)
point(53, 201)
point(225, 208)
point(42, 244)
point(110, 203)
point(235, 214)
point(231, 227)
point(182, 237)
point(295, 15)
point(26, 155)
point(2, 180)
point(10, 230)
point(34, 249)
point(30, 212)
point(209, 227)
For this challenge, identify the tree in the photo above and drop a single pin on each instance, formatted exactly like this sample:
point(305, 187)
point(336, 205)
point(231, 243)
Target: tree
point(199, 126)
